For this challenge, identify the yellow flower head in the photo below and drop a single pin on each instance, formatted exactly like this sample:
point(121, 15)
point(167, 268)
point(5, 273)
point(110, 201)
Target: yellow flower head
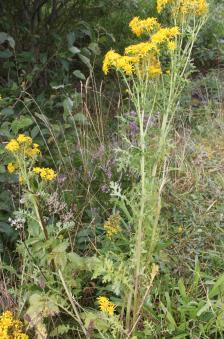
point(185, 7)
point(154, 70)
point(11, 167)
point(140, 50)
point(110, 60)
point(139, 27)
point(161, 4)
point(47, 174)
point(33, 151)
point(171, 45)
point(164, 34)
point(10, 328)
point(112, 225)
point(106, 305)
point(12, 146)
point(24, 139)
point(121, 63)
point(193, 7)
point(21, 180)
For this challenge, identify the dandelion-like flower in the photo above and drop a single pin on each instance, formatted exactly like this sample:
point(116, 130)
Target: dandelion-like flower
point(112, 225)
point(106, 305)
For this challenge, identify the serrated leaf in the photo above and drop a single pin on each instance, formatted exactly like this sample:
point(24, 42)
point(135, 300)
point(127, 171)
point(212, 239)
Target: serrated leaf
point(59, 330)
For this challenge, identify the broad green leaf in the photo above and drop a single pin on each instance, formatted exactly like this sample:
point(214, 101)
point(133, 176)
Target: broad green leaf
point(74, 50)
point(5, 54)
point(85, 60)
point(8, 111)
point(79, 74)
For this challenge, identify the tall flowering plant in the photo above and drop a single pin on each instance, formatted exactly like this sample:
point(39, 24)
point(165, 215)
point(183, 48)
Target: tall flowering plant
point(25, 154)
point(155, 72)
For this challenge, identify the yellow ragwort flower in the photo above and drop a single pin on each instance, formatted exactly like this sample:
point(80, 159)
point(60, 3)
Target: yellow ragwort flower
point(45, 173)
point(12, 146)
point(161, 4)
point(185, 7)
point(109, 60)
point(11, 167)
point(10, 328)
point(119, 62)
point(139, 26)
point(165, 34)
point(141, 49)
point(33, 151)
point(106, 305)
point(171, 45)
point(112, 225)
point(21, 180)
point(154, 70)
point(24, 139)
point(193, 7)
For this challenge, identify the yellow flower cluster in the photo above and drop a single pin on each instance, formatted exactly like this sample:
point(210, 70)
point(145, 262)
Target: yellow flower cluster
point(24, 145)
point(47, 174)
point(141, 50)
point(10, 328)
point(122, 63)
point(164, 35)
point(140, 27)
point(112, 225)
point(145, 55)
point(195, 7)
point(106, 305)
point(185, 7)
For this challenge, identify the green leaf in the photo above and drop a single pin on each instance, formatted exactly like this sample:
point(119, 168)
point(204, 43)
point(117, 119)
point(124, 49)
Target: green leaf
point(218, 287)
point(68, 105)
point(74, 50)
point(85, 60)
point(169, 317)
point(182, 290)
point(59, 330)
point(79, 75)
point(22, 123)
point(6, 37)
point(71, 37)
point(5, 54)
point(8, 111)
point(94, 47)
